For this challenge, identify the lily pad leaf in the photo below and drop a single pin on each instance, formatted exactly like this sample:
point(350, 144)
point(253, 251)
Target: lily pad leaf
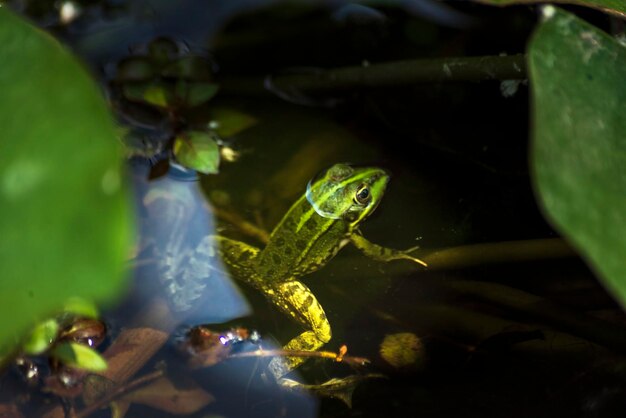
point(616, 7)
point(226, 121)
point(578, 148)
point(198, 151)
point(42, 337)
point(79, 356)
point(65, 215)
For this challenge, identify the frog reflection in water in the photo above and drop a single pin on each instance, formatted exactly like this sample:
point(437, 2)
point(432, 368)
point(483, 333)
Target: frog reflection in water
point(314, 229)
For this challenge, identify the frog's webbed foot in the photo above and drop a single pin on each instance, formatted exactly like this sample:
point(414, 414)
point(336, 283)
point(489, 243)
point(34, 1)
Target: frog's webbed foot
point(380, 253)
point(338, 388)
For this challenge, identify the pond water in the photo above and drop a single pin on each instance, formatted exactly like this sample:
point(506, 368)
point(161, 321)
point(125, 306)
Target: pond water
point(505, 321)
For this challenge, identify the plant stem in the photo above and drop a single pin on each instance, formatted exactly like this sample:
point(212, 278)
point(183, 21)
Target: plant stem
point(399, 73)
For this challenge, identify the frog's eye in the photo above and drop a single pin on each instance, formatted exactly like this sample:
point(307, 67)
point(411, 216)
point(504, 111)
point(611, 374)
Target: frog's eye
point(362, 195)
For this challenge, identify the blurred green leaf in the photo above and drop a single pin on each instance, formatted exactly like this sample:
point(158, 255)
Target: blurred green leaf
point(65, 216)
point(617, 7)
point(197, 150)
point(79, 356)
point(42, 337)
point(81, 307)
point(578, 81)
point(230, 121)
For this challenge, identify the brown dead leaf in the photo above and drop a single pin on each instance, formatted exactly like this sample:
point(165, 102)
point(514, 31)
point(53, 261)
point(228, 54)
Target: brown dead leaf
point(163, 395)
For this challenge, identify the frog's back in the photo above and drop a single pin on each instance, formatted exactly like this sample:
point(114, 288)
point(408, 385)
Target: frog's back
point(300, 244)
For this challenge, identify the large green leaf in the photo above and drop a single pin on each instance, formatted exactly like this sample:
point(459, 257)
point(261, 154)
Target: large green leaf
point(64, 213)
point(616, 7)
point(578, 79)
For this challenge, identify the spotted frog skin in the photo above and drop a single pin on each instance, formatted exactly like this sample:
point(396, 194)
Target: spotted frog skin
point(315, 228)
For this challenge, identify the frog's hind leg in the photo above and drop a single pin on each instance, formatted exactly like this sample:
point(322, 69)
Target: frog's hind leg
point(297, 301)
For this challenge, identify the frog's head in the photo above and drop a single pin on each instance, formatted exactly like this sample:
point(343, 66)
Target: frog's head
point(346, 192)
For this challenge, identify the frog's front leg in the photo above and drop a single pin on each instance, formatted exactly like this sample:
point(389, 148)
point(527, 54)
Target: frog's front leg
point(381, 253)
point(238, 256)
point(297, 301)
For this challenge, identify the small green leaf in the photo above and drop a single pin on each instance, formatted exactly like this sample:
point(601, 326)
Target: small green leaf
point(577, 74)
point(79, 356)
point(194, 93)
point(154, 93)
point(229, 121)
point(81, 307)
point(198, 151)
point(42, 337)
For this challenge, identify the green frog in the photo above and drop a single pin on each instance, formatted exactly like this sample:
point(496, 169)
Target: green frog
point(315, 228)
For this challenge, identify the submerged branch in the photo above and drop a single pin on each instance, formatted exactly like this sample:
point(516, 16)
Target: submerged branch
point(400, 73)
point(496, 252)
point(387, 74)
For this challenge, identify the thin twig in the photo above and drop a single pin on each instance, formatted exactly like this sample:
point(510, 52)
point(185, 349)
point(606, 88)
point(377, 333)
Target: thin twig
point(339, 357)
